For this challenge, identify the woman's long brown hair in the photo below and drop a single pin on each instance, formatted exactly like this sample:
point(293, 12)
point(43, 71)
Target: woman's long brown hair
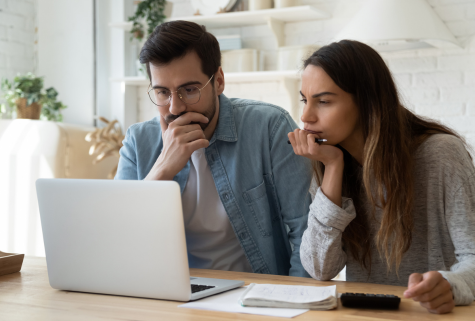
point(391, 134)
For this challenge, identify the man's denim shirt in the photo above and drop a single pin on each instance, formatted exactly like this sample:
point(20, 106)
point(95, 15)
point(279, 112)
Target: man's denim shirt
point(263, 185)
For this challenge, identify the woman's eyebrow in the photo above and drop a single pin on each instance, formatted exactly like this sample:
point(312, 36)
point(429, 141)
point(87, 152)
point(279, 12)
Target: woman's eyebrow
point(322, 94)
point(319, 94)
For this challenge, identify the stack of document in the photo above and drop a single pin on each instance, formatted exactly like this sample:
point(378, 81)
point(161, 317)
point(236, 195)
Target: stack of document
point(229, 302)
point(290, 296)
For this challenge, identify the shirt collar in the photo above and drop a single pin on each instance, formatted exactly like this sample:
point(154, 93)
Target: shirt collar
point(226, 127)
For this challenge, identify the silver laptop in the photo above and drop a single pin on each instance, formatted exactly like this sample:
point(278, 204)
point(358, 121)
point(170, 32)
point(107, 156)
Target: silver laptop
point(119, 237)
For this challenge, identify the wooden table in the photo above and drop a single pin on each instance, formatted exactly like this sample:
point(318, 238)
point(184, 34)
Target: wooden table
point(27, 296)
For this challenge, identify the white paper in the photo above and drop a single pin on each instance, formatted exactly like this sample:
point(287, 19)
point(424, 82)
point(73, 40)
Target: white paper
point(228, 302)
point(291, 293)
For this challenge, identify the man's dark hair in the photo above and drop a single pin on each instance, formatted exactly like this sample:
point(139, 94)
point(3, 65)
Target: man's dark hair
point(175, 39)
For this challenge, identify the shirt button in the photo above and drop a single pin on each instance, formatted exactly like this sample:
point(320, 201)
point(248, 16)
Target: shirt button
point(226, 196)
point(243, 236)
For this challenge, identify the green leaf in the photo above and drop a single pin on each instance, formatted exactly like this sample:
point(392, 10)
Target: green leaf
point(51, 93)
point(152, 11)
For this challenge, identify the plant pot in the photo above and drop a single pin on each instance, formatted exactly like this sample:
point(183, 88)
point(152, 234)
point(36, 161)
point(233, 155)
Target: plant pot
point(23, 111)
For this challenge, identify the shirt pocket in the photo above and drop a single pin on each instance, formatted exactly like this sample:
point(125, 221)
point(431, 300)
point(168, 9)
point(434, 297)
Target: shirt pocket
point(256, 199)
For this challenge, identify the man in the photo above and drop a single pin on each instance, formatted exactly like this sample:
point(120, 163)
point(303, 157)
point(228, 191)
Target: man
point(244, 191)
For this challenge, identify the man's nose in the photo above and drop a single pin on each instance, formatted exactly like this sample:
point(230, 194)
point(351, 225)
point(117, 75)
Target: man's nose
point(177, 106)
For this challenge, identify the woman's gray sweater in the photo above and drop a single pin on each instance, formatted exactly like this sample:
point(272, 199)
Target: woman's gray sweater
point(443, 238)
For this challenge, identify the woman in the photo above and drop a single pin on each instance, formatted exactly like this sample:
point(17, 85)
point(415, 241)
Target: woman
point(396, 196)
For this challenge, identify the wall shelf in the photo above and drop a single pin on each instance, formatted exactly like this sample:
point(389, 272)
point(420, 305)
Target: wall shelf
point(125, 25)
point(261, 76)
point(249, 18)
point(274, 18)
point(131, 81)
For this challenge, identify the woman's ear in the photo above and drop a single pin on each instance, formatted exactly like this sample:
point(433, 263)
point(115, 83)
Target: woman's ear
point(219, 81)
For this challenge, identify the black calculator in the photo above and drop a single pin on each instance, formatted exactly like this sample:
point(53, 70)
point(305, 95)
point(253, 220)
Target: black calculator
point(370, 301)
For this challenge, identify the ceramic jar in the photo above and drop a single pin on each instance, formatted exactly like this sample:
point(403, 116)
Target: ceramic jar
point(259, 4)
point(243, 60)
point(284, 3)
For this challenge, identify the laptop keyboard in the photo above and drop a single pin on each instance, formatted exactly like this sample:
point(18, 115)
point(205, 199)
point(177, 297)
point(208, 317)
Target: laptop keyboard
point(198, 288)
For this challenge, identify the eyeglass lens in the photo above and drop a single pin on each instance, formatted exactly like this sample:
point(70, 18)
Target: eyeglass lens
point(188, 94)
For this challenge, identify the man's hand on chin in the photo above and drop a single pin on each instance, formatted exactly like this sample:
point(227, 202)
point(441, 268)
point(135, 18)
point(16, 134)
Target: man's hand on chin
point(181, 138)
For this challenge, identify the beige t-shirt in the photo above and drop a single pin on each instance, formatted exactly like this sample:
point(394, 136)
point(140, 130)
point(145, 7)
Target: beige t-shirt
point(210, 238)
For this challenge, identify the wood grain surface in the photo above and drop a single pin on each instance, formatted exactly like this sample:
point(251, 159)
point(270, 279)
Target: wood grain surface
point(26, 295)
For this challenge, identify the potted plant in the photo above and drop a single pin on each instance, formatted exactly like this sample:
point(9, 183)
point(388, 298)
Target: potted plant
point(31, 101)
point(153, 13)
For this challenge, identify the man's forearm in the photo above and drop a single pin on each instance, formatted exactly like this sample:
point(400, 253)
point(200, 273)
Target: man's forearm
point(158, 174)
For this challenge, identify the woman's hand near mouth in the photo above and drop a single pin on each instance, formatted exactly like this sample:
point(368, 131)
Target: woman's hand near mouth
point(303, 143)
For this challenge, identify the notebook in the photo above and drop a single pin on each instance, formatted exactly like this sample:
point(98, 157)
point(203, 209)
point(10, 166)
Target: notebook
point(290, 296)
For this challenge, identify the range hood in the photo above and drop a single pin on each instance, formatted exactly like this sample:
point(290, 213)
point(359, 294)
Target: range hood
point(392, 25)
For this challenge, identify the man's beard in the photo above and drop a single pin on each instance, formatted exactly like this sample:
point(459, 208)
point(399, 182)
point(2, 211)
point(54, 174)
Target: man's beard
point(209, 113)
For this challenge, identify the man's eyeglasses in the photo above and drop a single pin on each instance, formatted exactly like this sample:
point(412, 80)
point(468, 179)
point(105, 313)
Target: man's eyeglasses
point(189, 94)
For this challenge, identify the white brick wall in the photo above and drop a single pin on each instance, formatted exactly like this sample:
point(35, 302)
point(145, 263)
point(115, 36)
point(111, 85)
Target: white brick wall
point(439, 84)
point(17, 37)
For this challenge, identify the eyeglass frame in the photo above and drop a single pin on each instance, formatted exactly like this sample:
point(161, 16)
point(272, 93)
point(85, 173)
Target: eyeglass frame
point(171, 93)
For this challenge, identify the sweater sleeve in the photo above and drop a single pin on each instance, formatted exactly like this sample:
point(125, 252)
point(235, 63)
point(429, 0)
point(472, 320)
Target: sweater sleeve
point(321, 251)
point(460, 218)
